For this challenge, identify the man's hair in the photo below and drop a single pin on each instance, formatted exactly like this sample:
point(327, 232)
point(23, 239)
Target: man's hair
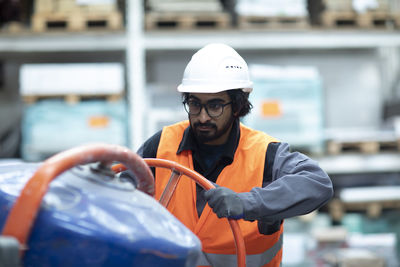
point(240, 101)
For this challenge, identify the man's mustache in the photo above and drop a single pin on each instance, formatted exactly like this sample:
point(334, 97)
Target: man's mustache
point(207, 124)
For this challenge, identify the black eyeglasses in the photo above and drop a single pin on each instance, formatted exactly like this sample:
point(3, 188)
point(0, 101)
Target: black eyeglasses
point(213, 109)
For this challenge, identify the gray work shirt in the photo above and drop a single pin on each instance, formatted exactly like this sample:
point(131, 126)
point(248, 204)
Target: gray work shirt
point(293, 183)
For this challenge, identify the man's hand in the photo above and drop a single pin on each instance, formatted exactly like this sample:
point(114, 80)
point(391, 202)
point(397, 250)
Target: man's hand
point(225, 202)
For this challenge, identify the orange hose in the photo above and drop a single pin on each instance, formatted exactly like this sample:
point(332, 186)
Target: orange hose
point(205, 184)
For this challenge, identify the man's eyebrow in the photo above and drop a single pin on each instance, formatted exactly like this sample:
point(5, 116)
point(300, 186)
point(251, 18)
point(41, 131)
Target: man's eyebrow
point(216, 100)
point(193, 97)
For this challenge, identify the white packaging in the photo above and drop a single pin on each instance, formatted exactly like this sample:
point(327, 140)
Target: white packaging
point(71, 78)
point(271, 8)
point(96, 2)
point(185, 6)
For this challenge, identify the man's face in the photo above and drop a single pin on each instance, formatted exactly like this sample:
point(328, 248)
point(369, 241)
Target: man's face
point(207, 129)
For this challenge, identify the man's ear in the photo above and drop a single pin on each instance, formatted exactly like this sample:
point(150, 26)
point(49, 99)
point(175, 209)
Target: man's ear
point(236, 113)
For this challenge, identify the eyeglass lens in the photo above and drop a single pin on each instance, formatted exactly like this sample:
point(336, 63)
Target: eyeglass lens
point(213, 109)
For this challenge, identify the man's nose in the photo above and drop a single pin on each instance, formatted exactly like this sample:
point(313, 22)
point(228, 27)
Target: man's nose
point(203, 116)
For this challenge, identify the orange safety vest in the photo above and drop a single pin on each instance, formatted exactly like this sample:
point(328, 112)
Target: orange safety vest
point(242, 175)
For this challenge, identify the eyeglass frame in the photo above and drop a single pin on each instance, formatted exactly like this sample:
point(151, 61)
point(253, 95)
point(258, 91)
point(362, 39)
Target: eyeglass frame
point(186, 102)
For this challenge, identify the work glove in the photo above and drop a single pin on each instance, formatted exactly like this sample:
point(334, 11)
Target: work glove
point(225, 202)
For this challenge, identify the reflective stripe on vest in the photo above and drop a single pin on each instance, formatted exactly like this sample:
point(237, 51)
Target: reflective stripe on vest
point(245, 173)
point(256, 260)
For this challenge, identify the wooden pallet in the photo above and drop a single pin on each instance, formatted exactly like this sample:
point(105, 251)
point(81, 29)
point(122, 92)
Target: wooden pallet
point(276, 22)
point(368, 20)
point(396, 19)
point(364, 147)
point(13, 27)
point(373, 209)
point(375, 19)
point(71, 98)
point(333, 19)
point(185, 21)
point(77, 21)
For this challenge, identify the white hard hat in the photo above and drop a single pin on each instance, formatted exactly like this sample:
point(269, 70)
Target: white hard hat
point(215, 68)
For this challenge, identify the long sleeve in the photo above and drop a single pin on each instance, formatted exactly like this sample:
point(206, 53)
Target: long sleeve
point(298, 186)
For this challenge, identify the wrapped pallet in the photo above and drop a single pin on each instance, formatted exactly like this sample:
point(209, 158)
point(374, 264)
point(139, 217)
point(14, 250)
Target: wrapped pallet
point(52, 79)
point(184, 5)
point(76, 15)
point(184, 15)
point(361, 13)
point(51, 126)
point(295, 8)
point(272, 14)
point(288, 104)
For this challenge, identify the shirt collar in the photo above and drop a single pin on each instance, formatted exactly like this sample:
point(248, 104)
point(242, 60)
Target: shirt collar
point(189, 141)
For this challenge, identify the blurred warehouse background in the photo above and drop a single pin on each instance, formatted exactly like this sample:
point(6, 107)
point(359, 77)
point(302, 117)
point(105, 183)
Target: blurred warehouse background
point(326, 75)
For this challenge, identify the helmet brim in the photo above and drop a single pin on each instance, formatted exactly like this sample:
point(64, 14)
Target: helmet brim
point(248, 87)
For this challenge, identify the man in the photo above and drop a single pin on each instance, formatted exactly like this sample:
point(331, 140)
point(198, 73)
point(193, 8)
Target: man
point(258, 180)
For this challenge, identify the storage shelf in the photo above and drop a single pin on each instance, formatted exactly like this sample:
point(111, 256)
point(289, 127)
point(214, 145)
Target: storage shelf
point(306, 39)
point(147, 42)
point(183, 40)
point(360, 163)
point(63, 42)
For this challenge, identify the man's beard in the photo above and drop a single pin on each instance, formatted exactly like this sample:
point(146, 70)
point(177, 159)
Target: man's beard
point(215, 133)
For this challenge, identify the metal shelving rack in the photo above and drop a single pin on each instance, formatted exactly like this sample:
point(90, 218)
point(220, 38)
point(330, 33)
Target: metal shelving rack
point(136, 43)
point(261, 40)
point(62, 42)
point(160, 41)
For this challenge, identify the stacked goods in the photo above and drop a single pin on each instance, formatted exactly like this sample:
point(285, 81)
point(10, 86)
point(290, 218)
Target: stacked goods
point(52, 126)
point(338, 13)
point(269, 13)
point(184, 6)
point(362, 6)
point(394, 6)
point(373, 199)
point(362, 141)
point(183, 14)
point(72, 80)
point(13, 14)
point(383, 13)
point(288, 105)
point(359, 6)
point(394, 9)
point(83, 114)
point(338, 5)
point(76, 15)
point(361, 13)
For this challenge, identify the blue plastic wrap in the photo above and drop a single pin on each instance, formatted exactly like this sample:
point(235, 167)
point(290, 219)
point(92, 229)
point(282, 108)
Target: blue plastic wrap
point(298, 106)
point(51, 126)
